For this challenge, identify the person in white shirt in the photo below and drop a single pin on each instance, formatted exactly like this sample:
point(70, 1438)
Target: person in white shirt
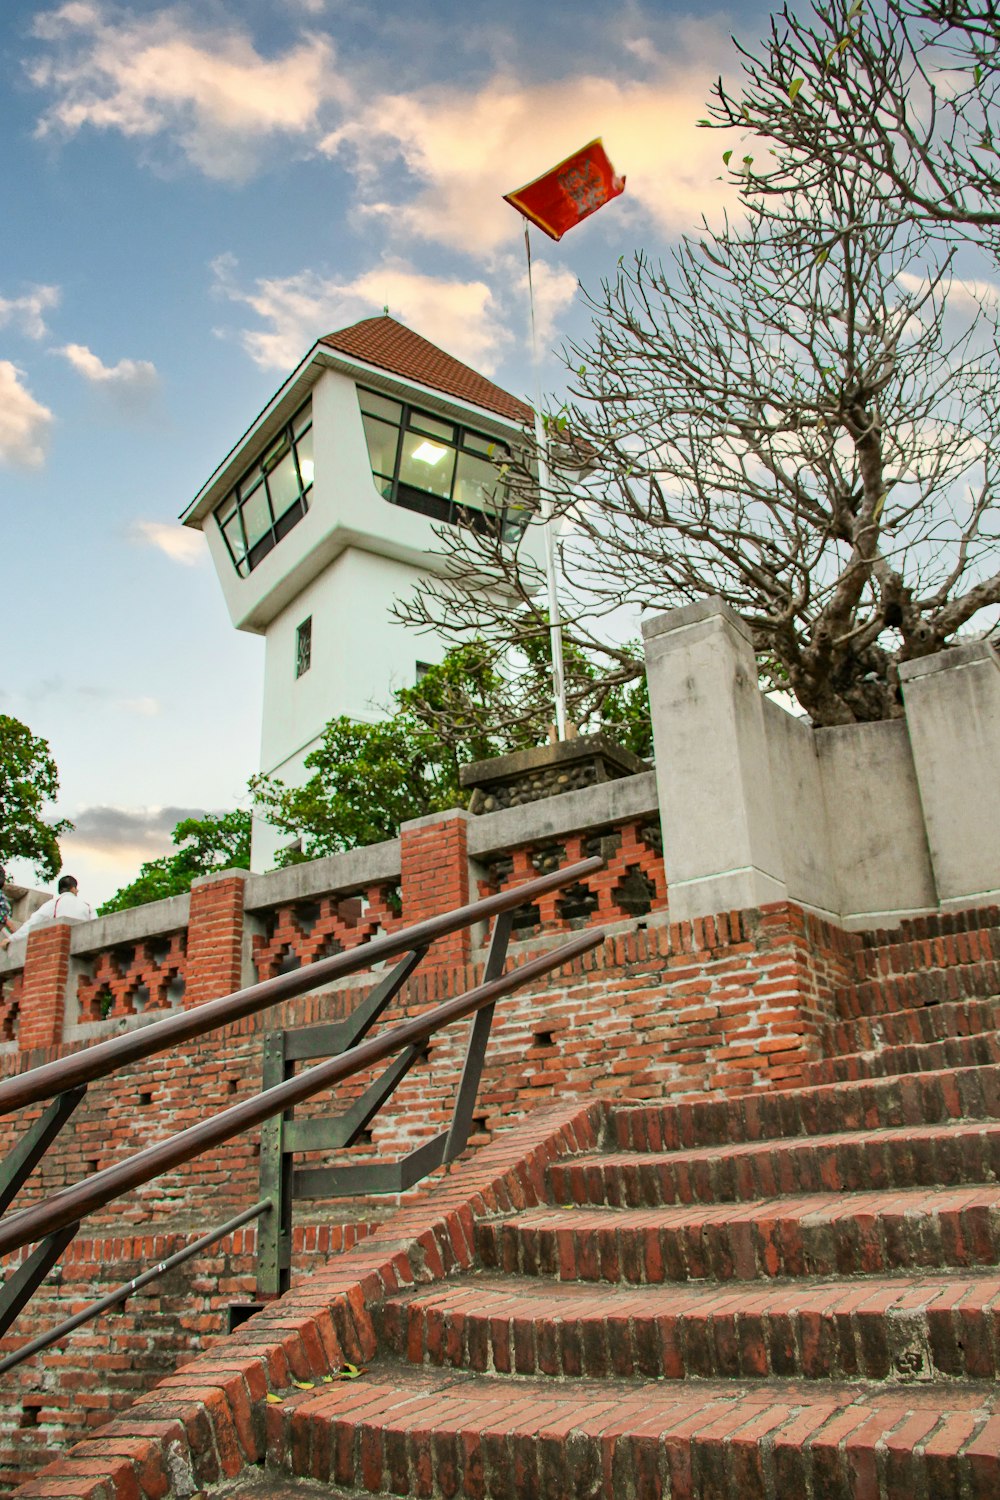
point(67, 906)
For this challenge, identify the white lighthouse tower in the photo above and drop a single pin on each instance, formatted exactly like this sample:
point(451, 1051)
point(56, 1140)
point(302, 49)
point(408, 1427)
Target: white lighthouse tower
point(324, 512)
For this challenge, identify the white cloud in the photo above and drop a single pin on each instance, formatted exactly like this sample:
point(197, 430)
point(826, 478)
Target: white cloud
point(554, 288)
point(179, 543)
point(24, 422)
point(463, 149)
point(26, 312)
point(462, 316)
point(208, 89)
point(144, 707)
point(964, 293)
point(134, 373)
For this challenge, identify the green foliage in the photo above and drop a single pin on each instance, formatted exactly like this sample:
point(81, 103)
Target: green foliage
point(28, 780)
point(215, 842)
point(367, 779)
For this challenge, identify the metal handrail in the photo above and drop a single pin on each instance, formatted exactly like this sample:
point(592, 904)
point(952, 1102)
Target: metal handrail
point(65, 1208)
point(106, 1057)
point(121, 1294)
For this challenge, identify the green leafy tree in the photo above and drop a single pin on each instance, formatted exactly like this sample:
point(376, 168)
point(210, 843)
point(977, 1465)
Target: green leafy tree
point(28, 780)
point(215, 842)
point(367, 779)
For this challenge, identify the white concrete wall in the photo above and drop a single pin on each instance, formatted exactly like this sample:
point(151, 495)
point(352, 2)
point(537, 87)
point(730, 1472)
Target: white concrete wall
point(953, 715)
point(716, 793)
point(359, 657)
point(866, 823)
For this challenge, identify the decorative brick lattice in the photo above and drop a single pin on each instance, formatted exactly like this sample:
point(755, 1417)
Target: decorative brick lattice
point(10, 1006)
point(300, 932)
point(132, 978)
point(632, 883)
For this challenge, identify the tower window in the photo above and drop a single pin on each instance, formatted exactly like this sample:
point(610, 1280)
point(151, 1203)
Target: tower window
point(441, 469)
point(303, 647)
point(272, 498)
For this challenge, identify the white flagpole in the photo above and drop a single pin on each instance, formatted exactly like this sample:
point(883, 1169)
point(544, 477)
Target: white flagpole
point(551, 578)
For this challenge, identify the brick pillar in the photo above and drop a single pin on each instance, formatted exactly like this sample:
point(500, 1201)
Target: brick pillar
point(435, 877)
point(43, 986)
point(215, 937)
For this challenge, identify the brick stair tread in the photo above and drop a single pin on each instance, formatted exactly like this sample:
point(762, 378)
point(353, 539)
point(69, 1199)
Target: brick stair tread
point(482, 1296)
point(955, 1151)
point(941, 1325)
point(980, 1049)
point(817, 1109)
point(404, 1430)
point(808, 1234)
point(924, 1023)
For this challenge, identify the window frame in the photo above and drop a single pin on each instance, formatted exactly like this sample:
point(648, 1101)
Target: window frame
point(253, 485)
point(303, 638)
point(414, 420)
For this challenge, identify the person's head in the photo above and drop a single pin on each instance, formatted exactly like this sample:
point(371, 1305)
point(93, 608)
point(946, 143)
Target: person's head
point(67, 885)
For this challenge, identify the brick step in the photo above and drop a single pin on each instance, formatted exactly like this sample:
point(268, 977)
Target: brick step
point(890, 1327)
point(405, 1431)
point(830, 1234)
point(848, 1161)
point(821, 1109)
point(281, 1489)
point(901, 1028)
point(908, 987)
point(919, 1057)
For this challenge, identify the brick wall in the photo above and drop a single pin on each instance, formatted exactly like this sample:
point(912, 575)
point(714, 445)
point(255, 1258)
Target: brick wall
point(57, 1399)
point(714, 1005)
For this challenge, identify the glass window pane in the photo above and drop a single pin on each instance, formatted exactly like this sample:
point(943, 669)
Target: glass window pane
point(431, 425)
point(234, 536)
point(382, 441)
point(256, 516)
point(304, 449)
point(426, 465)
point(379, 406)
point(489, 446)
point(283, 483)
point(302, 418)
point(250, 483)
point(275, 453)
point(477, 483)
point(226, 510)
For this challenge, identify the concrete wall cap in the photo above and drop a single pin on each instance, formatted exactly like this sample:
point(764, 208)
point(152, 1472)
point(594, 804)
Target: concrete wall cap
point(317, 877)
point(133, 925)
point(449, 815)
point(965, 655)
point(546, 757)
point(590, 807)
point(694, 614)
point(216, 875)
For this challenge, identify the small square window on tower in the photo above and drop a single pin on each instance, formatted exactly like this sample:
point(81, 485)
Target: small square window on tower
point(303, 647)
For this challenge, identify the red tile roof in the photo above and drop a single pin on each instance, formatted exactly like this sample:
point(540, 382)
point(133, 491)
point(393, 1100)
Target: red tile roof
point(392, 346)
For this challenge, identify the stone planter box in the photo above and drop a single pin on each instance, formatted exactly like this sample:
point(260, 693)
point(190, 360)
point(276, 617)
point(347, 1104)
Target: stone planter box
point(546, 771)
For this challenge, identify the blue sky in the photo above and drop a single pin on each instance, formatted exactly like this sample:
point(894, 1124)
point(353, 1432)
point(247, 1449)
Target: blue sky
point(191, 195)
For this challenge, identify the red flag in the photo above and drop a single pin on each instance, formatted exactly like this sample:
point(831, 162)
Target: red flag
point(572, 191)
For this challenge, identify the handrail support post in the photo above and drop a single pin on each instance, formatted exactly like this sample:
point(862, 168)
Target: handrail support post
point(475, 1056)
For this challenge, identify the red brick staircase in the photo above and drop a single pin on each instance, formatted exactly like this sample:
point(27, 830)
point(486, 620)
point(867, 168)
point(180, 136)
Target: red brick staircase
point(787, 1293)
point(782, 1294)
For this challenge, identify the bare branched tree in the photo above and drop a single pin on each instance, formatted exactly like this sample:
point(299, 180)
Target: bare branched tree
point(904, 93)
point(798, 413)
